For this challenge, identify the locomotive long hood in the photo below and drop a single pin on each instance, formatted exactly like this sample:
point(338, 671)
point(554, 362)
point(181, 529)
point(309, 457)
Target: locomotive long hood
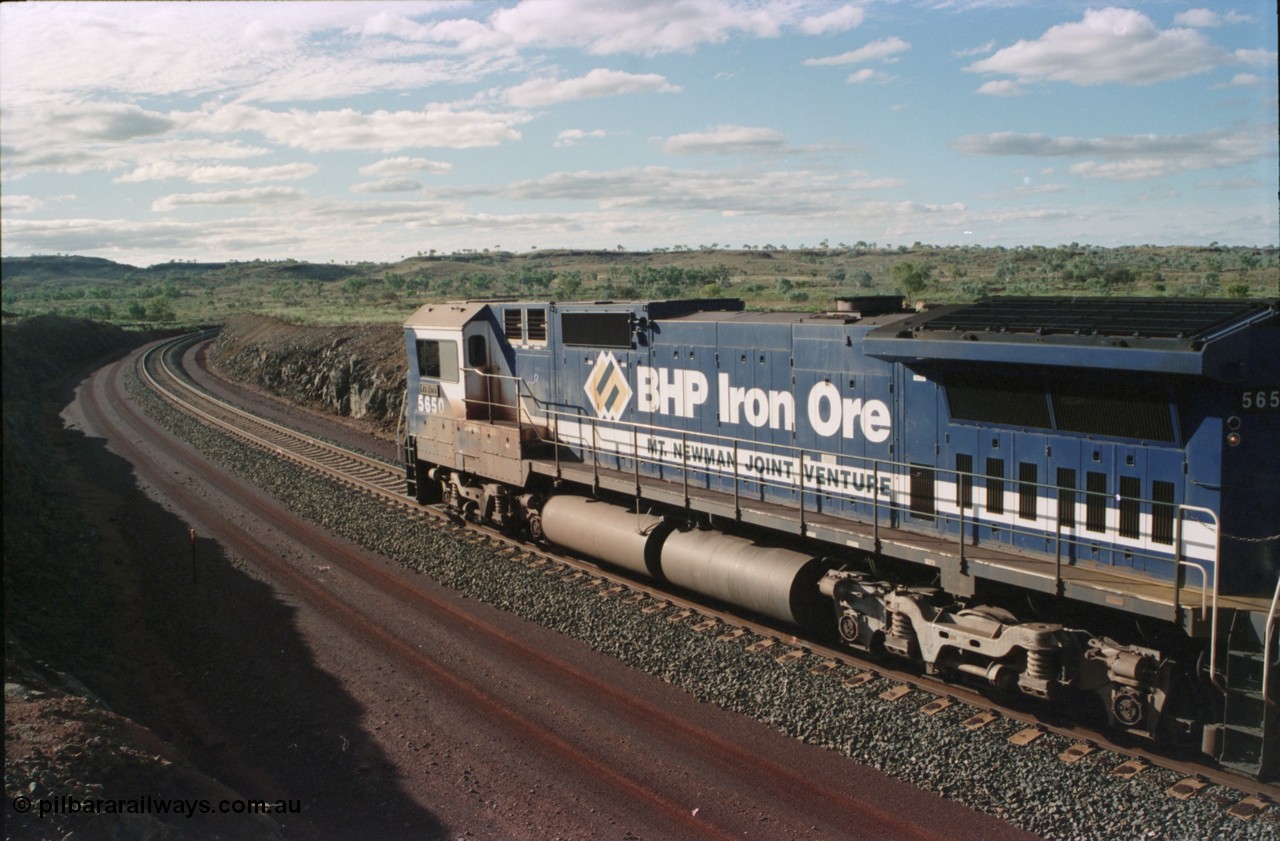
point(1169, 336)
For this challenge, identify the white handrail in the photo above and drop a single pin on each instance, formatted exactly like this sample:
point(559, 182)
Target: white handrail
point(1272, 618)
point(1204, 584)
point(1217, 557)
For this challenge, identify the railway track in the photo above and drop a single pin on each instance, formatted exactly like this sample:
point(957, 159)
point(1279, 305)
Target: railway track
point(161, 370)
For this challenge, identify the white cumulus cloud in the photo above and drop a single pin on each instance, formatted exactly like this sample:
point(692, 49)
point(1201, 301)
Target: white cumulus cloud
point(255, 196)
point(1001, 87)
point(216, 173)
point(19, 204)
point(572, 136)
point(865, 75)
point(97, 122)
point(647, 27)
point(1257, 58)
point(726, 140)
point(404, 165)
point(597, 83)
point(836, 20)
point(1198, 18)
point(1132, 157)
point(882, 50)
point(346, 128)
point(1242, 80)
point(1108, 46)
point(388, 185)
point(1208, 18)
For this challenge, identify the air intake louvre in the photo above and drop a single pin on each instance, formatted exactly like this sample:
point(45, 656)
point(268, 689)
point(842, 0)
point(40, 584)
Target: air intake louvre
point(513, 324)
point(1010, 403)
point(1093, 410)
point(1085, 407)
point(537, 323)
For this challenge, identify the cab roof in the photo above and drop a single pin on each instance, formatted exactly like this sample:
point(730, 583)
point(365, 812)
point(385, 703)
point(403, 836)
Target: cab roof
point(449, 316)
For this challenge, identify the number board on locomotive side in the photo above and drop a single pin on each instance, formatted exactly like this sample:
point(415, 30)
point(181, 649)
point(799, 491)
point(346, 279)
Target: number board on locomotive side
point(1258, 400)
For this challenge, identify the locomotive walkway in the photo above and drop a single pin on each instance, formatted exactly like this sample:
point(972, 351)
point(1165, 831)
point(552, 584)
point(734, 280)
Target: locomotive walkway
point(1083, 580)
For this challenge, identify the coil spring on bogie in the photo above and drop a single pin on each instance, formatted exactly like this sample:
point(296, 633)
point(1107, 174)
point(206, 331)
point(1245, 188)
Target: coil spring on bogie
point(1040, 665)
point(901, 626)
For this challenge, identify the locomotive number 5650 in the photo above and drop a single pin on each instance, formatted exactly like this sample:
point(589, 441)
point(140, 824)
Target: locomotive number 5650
point(1259, 400)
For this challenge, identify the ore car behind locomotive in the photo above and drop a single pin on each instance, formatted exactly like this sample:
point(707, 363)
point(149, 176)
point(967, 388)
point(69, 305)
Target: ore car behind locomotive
point(1064, 498)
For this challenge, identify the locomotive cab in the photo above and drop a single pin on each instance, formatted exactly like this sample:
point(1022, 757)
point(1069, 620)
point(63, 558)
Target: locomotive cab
point(458, 364)
point(462, 407)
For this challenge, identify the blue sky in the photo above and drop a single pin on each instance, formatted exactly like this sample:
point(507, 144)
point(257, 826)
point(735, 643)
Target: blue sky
point(145, 132)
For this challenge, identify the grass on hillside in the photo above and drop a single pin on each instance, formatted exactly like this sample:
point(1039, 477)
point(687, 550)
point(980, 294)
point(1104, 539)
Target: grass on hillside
point(765, 277)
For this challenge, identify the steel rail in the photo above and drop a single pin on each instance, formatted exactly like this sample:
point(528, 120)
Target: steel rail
point(332, 460)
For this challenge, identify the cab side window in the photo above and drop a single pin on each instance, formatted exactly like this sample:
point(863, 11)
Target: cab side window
point(438, 360)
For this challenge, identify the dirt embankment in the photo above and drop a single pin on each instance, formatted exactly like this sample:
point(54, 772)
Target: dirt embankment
point(63, 619)
point(356, 371)
point(64, 747)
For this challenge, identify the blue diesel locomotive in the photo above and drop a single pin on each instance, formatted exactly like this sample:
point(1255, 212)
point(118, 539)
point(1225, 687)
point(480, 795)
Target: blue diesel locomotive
point(1064, 498)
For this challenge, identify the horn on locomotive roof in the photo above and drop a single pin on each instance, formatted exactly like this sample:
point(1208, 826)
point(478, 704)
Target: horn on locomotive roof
point(865, 306)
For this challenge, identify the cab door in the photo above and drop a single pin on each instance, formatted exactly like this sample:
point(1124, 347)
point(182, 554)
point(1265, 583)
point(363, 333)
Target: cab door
point(488, 384)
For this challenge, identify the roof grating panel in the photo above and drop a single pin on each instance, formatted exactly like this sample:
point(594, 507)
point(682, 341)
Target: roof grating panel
point(1139, 318)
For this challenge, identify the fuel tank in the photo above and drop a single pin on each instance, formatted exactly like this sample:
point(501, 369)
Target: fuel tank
point(605, 532)
point(779, 583)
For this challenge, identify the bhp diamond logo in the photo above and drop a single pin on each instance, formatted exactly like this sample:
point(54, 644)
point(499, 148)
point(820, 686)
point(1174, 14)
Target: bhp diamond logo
point(607, 388)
